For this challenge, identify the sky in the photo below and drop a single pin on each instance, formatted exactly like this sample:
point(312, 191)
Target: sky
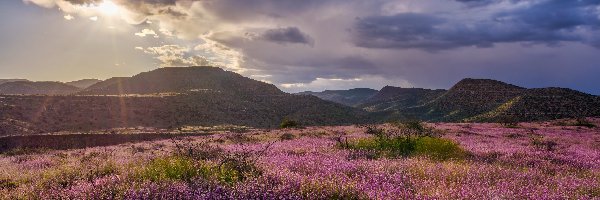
point(301, 45)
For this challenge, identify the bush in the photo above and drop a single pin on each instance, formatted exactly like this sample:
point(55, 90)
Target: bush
point(287, 123)
point(406, 139)
point(287, 136)
point(434, 148)
point(439, 148)
point(508, 122)
point(540, 143)
point(197, 151)
point(584, 122)
point(8, 184)
point(169, 168)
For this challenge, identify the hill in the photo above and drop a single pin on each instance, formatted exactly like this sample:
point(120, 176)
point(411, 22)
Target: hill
point(394, 98)
point(493, 101)
point(212, 97)
point(183, 80)
point(37, 88)
point(84, 83)
point(350, 97)
point(2, 81)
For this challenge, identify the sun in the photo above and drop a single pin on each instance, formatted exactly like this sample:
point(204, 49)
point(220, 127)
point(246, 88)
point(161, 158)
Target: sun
point(107, 7)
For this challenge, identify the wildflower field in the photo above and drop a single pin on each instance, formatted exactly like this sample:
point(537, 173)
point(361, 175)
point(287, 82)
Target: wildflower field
point(453, 161)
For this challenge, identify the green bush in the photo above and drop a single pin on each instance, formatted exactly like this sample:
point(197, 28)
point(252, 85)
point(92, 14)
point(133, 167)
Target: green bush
point(287, 123)
point(287, 136)
point(431, 147)
point(8, 184)
point(584, 122)
point(177, 168)
point(438, 148)
point(169, 168)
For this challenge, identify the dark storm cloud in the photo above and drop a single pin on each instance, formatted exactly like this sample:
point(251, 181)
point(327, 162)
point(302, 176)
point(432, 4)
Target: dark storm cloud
point(287, 35)
point(548, 22)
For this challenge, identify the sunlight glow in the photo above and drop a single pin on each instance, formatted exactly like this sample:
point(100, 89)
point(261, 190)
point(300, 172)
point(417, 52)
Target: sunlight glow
point(107, 7)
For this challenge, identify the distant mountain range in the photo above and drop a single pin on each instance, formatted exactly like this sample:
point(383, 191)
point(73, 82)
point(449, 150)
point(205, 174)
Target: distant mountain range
point(170, 98)
point(208, 96)
point(352, 97)
point(481, 100)
point(84, 83)
point(26, 87)
point(37, 88)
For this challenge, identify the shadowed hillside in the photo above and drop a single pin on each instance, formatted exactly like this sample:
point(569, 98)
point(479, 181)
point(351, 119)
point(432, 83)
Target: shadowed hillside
point(37, 88)
point(181, 80)
point(84, 83)
point(392, 98)
point(350, 97)
point(2, 81)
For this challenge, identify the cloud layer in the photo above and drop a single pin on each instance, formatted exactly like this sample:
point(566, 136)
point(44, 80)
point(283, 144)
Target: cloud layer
point(424, 43)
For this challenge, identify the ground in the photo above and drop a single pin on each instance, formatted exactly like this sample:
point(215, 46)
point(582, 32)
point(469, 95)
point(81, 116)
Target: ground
point(547, 160)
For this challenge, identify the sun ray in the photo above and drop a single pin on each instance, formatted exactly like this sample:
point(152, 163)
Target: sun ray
point(108, 8)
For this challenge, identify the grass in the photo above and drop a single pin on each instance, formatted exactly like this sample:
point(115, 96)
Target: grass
point(170, 168)
point(431, 147)
point(178, 168)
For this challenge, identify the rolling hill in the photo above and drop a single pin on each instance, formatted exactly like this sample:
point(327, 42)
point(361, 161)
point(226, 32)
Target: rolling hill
point(2, 81)
point(350, 97)
point(84, 83)
point(484, 100)
point(183, 80)
point(201, 96)
point(37, 88)
point(393, 98)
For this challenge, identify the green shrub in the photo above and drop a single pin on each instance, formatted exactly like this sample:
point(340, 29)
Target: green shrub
point(540, 143)
point(169, 168)
point(434, 148)
point(178, 168)
point(63, 177)
point(8, 184)
point(584, 122)
point(287, 136)
point(438, 148)
point(287, 123)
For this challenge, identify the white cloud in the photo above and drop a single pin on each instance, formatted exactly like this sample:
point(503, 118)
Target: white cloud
point(145, 32)
point(69, 17)
point(375, 82)
point(175, 55)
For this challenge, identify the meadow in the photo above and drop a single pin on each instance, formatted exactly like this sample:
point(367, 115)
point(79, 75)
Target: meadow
point(545, 160)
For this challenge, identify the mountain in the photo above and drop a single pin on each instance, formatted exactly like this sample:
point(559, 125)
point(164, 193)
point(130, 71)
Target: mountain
point(84, 83)
point(393, 98)
point(37, 88)
point(183, 80)
point(544, 104)
point(105, 83)
point(197, 96)
point(350, 97)
point(2, 81)
point(492, 101)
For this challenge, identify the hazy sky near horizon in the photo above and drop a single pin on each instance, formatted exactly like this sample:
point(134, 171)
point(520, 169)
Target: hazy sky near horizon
point(314, 45)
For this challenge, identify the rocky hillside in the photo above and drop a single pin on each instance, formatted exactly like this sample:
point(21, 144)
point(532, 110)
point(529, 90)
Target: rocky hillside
point(37, 88)
point(352, 97)
point(183, 80)
point(494, 101)
point(212, 97)
point(84, 83)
